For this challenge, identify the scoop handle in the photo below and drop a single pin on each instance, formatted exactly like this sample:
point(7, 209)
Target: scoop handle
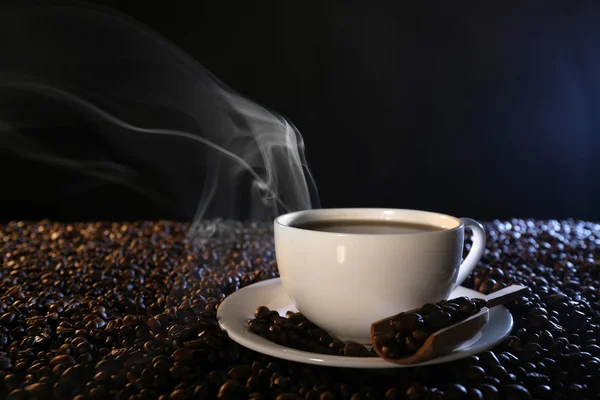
point(505, 295)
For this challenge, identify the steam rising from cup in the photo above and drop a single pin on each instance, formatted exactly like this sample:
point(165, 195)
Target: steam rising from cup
point(141, 96)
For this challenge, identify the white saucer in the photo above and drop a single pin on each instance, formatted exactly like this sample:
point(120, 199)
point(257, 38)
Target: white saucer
point(235, 311)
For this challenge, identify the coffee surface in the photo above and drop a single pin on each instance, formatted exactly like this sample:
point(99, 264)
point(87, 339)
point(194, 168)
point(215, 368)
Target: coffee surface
point(366, 226)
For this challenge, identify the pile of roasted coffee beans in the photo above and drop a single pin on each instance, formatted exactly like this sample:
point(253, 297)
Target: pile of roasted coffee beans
point(408, 331)
point(127, 311)
point(297, 332)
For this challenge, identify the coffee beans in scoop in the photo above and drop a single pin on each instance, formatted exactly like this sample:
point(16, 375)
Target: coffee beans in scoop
point(297, 332)
point(409, 330)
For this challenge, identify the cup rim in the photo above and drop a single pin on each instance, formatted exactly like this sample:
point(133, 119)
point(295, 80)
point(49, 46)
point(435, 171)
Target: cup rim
point(280, 221)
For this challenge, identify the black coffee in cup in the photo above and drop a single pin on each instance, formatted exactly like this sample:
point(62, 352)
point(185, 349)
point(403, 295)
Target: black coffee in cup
point(366, 226)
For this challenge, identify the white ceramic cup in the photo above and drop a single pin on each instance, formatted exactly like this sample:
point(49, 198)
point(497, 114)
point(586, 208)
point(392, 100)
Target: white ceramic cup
point(343, 282)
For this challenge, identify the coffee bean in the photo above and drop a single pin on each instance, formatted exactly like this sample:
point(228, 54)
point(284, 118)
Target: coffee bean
point(539, 321)
point(593, 349)
point(489, 391)
point(183, 355)
point(429, 308)
point(489, 358)
point(228, 389)
point(456, 391)
point(62, 359)
point(411, 344)
point(355, 350)
point(240, 372)
point(257, 328)
point(84, 347)
point(487, 286)
point(514, 343)
point(71, 374)
point(499, 372)
point(153, 325)
point(17, 332)
point(35, 388)
point(391, 350)
point(475, 394)
point(18, 394)
point(407, 322)
point(467, 308)
point(439, 319)
point(180, 394)
point(327, 396)
point(516, 392)
point(7, 318)
point(262, 312)
point(474, 373)
point(421, 334)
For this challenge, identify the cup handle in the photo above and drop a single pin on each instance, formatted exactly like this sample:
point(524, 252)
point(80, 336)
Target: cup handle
point(476, 250)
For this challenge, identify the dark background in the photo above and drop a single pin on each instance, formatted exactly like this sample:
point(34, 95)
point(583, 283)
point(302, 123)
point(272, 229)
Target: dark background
point(488, 111)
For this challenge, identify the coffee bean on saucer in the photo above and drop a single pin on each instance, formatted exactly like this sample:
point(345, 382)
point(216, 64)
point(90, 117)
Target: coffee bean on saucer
point(262, 312)
point(356, 350)
point(297, 332)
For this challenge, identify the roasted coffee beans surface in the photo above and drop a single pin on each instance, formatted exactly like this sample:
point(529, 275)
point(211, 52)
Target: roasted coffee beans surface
point(127, 311)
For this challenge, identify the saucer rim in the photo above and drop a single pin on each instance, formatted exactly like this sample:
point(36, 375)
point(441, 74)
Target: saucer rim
point(264, 346)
